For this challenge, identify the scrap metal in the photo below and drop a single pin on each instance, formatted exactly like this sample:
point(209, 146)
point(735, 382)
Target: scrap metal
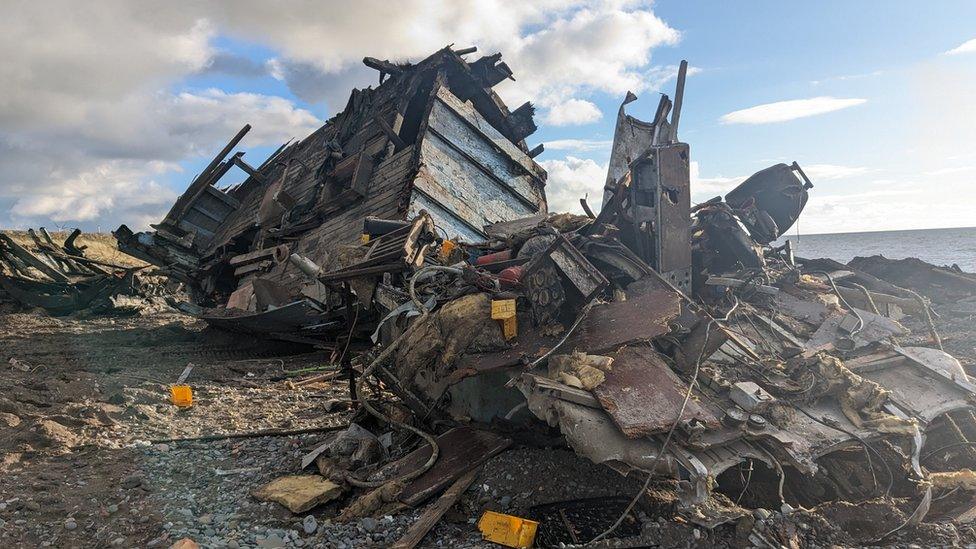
point(419, 205)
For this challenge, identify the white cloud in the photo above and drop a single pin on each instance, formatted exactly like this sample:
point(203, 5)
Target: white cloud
point(572, 112)
point(705, 188)
point(968, 46)
point(781, 111)
point(846, 77)
point(603, 47)
point(578, 145)
point(821, 172)
point(111, 166)
point(949, 171)
point(93, 89)
point(126, 187)
point(559, 51)
point(571, 179)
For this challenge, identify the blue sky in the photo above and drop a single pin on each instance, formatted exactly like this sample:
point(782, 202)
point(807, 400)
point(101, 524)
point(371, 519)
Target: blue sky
point(107, 126)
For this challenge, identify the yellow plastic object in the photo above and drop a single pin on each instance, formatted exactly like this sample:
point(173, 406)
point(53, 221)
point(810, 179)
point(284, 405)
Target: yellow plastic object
point(364, 239)
point(181, 395)
point(504, 310)
point(507, 530)
point(446, 248)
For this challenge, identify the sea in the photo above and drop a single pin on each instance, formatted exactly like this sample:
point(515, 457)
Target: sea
point(937, 246)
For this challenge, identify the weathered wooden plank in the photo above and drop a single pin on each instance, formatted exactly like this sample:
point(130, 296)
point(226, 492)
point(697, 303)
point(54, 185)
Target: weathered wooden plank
point(32, 260)
point(452, 127)
point(415, 534)
point(643, 395)
point(479, 123)
point(462, 188)
point(461, 450)
point(454, 227)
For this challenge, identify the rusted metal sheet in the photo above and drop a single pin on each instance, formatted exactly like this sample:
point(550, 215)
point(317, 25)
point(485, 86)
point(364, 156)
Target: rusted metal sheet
point(673, 245)
point(461, 450)
point(919, 384)
point(643, 395)
point(642, 317)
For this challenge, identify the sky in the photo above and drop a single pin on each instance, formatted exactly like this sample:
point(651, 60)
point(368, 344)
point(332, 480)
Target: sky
point(108, 109)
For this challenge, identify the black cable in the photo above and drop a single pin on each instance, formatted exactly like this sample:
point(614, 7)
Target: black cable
point(946, 447)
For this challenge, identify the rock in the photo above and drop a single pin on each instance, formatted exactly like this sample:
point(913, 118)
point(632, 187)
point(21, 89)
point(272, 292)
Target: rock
point(299, 493)
point(271, 542)
point(112, 509)
point(310, 525)
point(369, 524)
point(132, 481)
point(185, 543)
point(8, 419)
point(70, 524)
point(118, 542)
point(505, 501)
point(50, 434)
point(162, 447)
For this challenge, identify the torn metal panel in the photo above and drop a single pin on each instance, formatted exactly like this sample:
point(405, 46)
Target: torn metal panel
point(840, 326)
point(813, 312)
point(920, 382)
point(659, 207)
point(642, 317)
point(643, 395)
point(593, 434)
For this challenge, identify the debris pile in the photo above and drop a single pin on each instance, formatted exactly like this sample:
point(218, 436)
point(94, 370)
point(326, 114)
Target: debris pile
point(410, 235)
point(61, 279)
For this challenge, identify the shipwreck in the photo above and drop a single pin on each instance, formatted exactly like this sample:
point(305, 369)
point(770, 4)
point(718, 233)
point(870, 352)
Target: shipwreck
point(411, 235)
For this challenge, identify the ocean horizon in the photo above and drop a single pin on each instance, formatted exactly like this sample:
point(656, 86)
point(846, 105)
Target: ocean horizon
point(938, 246)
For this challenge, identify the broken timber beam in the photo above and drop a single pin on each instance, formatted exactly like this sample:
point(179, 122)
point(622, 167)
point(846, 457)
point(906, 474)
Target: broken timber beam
point(433, 514)
point(33, 260)
point(203, 180)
